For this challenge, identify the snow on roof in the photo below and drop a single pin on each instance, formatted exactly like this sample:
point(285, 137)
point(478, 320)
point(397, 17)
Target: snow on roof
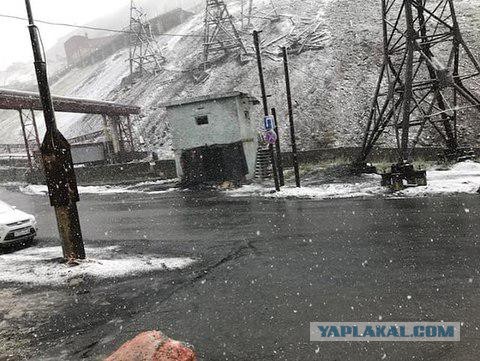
point(15, 99)
point(209, 98)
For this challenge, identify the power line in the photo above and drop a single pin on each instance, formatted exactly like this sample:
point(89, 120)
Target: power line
point(92, 27)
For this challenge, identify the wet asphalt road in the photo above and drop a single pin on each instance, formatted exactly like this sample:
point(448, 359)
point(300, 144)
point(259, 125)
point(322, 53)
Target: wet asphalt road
point(266, 269)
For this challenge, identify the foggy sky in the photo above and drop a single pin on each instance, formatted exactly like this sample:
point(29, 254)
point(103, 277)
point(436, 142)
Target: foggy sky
point(14, 38)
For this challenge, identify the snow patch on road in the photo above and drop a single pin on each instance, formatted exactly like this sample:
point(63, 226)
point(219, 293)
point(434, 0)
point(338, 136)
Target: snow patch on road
point(460, 178)
point(43, 266)
point(153, 187)
point(370, 186)
point(33, 189)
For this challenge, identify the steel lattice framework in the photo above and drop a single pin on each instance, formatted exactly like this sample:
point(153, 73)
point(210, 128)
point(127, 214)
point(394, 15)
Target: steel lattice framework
point(424, 79)
point(220, 33)
point(117, 121)
point(145, 54)
point(30, 134)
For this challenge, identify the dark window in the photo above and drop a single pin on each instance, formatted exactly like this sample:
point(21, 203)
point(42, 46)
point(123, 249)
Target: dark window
point(202, 120)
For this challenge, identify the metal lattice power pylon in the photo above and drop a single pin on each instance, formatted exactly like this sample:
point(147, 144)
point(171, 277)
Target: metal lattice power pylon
point(247, 13)
point(425, 79)
point(221, 35)
point(145, 54)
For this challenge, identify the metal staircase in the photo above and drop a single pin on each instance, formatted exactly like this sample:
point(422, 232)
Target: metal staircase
point(263, 167)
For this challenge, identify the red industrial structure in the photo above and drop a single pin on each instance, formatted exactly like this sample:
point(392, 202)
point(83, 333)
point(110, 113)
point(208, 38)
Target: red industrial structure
point(81, 50)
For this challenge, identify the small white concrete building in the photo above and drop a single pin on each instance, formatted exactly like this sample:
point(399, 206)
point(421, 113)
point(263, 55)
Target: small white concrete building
point(214, 137)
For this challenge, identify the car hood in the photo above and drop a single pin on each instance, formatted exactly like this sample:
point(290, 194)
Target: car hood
point(13, 216)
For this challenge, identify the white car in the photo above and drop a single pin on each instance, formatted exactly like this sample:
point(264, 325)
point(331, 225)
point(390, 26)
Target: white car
point(16, 226)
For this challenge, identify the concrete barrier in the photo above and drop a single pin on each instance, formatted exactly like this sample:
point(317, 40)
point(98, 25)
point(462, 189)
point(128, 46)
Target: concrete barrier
point(129, 172)
point(13, 174)
point(349, 154)
point(165, 169)
point(14, 161)
point(101, 174)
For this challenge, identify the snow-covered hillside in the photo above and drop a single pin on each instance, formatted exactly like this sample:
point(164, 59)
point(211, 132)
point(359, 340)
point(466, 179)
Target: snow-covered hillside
point(332, 85)
point(22, 76)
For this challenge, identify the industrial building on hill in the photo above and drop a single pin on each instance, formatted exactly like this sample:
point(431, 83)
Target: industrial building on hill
point(81, 50)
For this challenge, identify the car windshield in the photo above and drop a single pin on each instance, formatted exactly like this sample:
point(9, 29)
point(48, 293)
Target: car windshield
point(4, 207)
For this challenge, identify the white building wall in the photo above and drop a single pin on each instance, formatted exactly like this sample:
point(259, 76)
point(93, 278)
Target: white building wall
point(248, 133)
point(223, 126)
point(227, 123)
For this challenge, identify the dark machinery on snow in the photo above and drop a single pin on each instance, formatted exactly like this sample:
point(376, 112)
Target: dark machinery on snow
point(424, 85)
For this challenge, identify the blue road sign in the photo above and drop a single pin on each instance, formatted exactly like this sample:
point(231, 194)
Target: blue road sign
point(268, 123)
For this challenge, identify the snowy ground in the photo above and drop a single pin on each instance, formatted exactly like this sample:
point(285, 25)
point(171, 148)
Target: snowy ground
point(154, 187)
point(43, 266)
point(461, 178)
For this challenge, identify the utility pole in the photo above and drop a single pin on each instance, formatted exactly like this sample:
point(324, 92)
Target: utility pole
point(256, 41)
point(250, 9)
point(242, 14)
point(57, 158)
point(290, 117)
point(281, 175)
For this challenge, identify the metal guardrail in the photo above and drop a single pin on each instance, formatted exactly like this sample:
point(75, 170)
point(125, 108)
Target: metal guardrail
point(13, 148)
point(86, 137)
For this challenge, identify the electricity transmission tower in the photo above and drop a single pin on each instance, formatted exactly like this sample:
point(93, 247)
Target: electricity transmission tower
point(145, 54)
point(220, 33)
point(247, 13)
point(425, 79)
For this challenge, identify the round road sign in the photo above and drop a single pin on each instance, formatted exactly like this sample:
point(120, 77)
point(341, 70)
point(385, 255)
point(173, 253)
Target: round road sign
point(270, 137)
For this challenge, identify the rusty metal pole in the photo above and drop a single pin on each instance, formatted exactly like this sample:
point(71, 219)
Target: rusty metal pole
point(57, 158)
point(256, 42)
point(281, 175)
point(290, 117)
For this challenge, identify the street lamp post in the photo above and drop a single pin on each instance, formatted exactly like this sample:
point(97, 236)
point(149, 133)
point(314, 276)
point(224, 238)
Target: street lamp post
point(57, 158)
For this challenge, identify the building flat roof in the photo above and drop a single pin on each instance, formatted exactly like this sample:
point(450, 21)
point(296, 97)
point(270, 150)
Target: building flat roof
point(16, 100)
point(208, 98)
